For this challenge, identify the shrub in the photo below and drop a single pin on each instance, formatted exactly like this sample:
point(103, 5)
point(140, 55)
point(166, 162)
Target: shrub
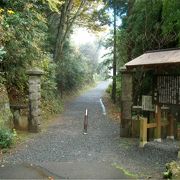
point(109, 89)
point(6, 138)
point(172, 170)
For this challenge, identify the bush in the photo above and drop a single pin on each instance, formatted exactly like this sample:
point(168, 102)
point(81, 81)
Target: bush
point(6, 138)
point(118, 89)
point(172, 170)
point(53, 105)
point(109, 89)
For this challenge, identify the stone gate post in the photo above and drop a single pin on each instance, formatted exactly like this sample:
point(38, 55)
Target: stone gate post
point(126, 102)
point(34, 99)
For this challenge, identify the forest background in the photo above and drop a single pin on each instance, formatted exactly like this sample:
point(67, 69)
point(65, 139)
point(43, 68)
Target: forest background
point(37, 33)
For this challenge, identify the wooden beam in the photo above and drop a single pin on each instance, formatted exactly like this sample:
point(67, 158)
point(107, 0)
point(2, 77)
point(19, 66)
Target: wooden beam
point(164, 124)
point(151, 125)
point(154, 125)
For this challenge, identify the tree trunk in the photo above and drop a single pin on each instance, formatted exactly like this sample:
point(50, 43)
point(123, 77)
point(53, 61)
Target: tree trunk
point(114, 59)
point(61, 29)
point(131, 43)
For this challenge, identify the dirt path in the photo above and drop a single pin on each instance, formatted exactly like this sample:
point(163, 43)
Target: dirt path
point(64, 151)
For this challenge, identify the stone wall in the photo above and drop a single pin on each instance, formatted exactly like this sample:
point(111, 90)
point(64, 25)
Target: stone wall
point(6, 118)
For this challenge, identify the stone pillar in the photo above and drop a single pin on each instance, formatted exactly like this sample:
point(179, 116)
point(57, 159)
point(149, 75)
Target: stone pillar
point(34, 99)
point(126, 102)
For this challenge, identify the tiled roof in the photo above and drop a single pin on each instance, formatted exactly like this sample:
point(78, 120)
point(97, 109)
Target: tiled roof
point(155, 58)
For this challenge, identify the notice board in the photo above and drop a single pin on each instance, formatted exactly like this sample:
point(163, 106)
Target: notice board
point(167, 89)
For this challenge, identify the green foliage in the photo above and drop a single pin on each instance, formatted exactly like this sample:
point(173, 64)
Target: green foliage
point(27, 40)
point(109, 89)
point(6, 138)
point(5, 113)
point(2, 52)
point(118, 89)
point(25, 31)
point(52, 106)
point(23, 28)
point(149, 25)
point(54, 4)
point(76, 69)
point(102, 71)
point(167, 175)
point(25, 34)
point(146, 25)
point(171, 20)
point(49, 78)
point(51, 102)
point(172, 170)
point(126, 172)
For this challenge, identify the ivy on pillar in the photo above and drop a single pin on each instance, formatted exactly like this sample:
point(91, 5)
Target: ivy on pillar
point(34, 99)
point(126, 102)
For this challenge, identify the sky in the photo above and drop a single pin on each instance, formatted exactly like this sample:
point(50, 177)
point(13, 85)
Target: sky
point(83, 36)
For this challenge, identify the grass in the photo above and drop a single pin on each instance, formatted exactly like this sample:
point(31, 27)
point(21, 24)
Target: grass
point(23, 136)
point(113, 110)
point(125, 171)
point(127, 143)
point(70, 95)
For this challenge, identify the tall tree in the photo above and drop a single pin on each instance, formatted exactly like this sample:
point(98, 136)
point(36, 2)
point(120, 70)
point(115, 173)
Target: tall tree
point(119, 8)
point(148, 25)
point(72, 13)
point(114, 55)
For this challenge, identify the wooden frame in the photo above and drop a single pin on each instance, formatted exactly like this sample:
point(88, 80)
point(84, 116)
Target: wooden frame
point(144, 125)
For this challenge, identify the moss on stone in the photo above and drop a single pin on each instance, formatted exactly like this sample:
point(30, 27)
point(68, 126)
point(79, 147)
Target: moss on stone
point(5, 112)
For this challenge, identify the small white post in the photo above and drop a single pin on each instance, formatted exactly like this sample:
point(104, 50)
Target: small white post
point(85, 121)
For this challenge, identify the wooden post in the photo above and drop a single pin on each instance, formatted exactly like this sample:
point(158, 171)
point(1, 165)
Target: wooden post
point(143, 132)
point(85, 121)
point(158, 122)
point(178, 154)
point(170, 127)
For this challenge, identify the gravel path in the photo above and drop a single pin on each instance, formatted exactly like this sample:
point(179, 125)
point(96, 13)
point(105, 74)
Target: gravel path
point(64, 141)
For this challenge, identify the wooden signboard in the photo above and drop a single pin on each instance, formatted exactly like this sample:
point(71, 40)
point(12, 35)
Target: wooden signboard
point(167, 89)
point(147, 104)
